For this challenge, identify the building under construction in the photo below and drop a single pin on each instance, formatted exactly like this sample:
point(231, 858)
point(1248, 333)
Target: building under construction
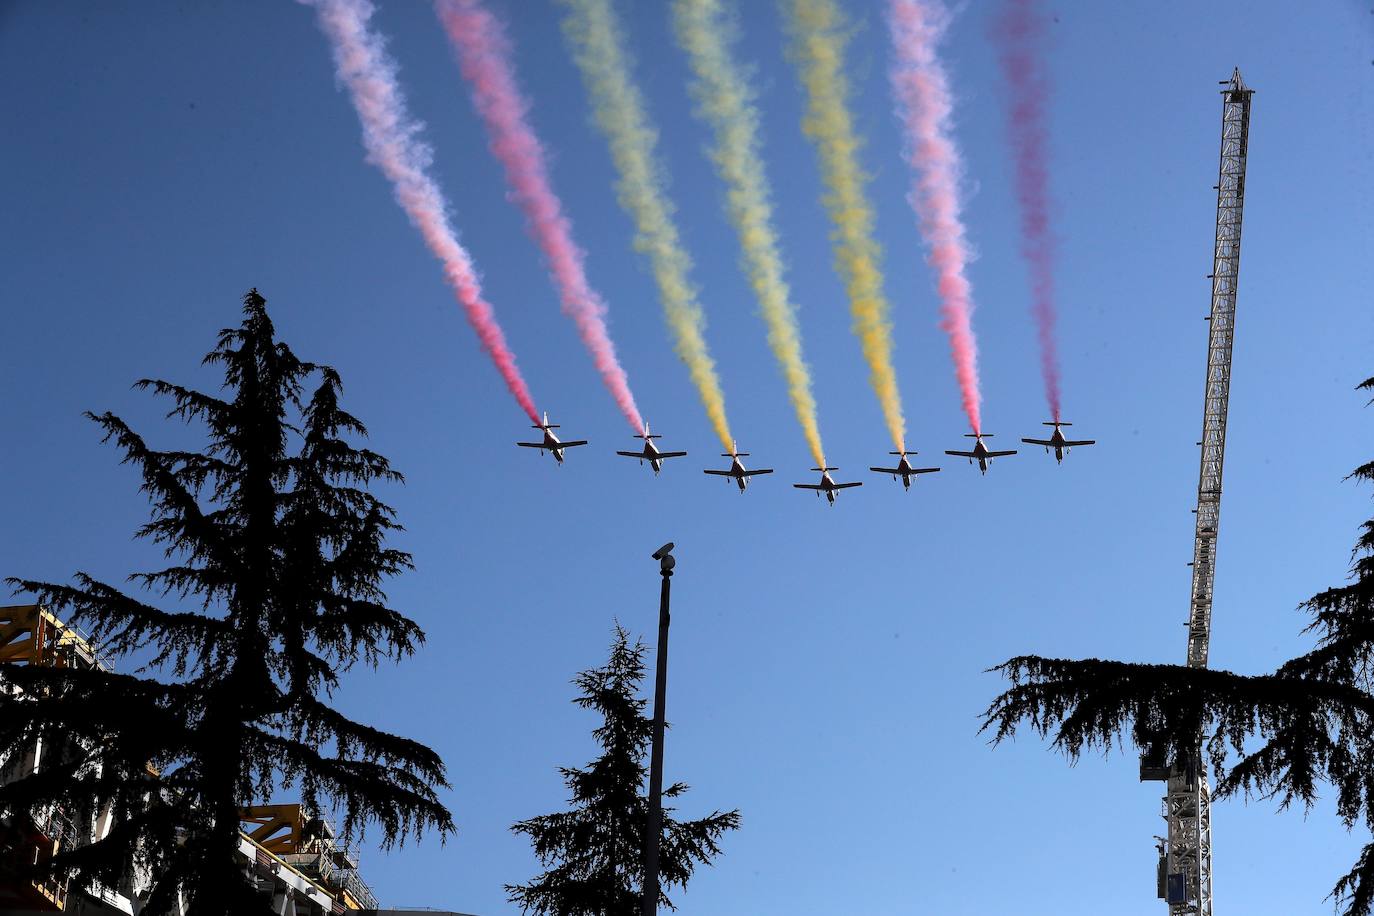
point(293, 856)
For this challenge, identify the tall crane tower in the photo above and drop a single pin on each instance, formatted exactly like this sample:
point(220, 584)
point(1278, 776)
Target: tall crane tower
point(1186, 854)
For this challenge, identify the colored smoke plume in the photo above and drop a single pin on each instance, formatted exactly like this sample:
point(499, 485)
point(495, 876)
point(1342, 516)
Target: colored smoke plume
point(391, 137)
point(818, 48)
point(1020, 37)
point(598, 49)
point(485, 60)
point(924, 106)
point(726, 100)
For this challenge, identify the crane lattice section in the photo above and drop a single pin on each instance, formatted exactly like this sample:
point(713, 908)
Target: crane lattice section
point(1188, 805)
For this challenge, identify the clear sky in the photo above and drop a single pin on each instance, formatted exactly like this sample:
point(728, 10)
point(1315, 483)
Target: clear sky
point(827, 667)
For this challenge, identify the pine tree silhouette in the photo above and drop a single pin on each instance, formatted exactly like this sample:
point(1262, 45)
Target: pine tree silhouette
point(277, 558)
point(593, 854)
point(1314, 715)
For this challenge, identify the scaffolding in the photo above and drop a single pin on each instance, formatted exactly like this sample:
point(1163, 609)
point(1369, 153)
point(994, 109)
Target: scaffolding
point(287, 853)
point(309, 844)
point(31, 635)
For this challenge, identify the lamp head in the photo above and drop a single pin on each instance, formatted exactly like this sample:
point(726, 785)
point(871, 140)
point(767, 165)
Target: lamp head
point(663, 551)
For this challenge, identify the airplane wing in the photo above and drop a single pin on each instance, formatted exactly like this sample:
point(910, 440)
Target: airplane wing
point(530, 444)
point(1081, 442)
point(807, 486)
point(1045, 442)
point(672, 455)
point(1001, 454)
point(846, 486)
point(716, 473)
point(961, 454)
point(759, 471)
point(572, 443)
point(924, 470)
point(631, 454)
point(886, 470)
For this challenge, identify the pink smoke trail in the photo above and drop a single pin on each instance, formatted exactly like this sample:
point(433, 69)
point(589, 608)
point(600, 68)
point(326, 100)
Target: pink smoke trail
point(484, 56)
point(1020, 33)
point(392, 140)
point(924, 105)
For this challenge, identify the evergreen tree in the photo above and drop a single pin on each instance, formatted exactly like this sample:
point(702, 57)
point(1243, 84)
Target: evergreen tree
point(594, 854)
point(277, 557)
point(1275, 735)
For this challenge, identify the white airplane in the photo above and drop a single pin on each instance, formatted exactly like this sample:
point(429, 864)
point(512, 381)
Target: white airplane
point(905, 469)
point(551, 443)
point(826, 486)
point(980, 452)
point(1057, 441)
point(650, 452)
point(737, 470)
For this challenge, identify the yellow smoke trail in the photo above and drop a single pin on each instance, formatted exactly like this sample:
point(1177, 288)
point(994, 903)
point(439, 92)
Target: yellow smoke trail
point(818, 47)
point(722, 91)
point(592, 31)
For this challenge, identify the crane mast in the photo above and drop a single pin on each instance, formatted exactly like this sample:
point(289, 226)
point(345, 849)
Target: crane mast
point(1186, 856)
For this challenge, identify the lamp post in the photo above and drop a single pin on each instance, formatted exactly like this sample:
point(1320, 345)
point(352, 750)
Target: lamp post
point(654, 829)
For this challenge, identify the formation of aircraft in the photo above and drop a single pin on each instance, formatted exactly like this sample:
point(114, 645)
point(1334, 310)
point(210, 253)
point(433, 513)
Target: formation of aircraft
point(551, 443)
point(1057, 441)
point(650, 452)
point(980, 452)
point(826, 486)
point(737, 470)
point(740, 475)
point(904, 469)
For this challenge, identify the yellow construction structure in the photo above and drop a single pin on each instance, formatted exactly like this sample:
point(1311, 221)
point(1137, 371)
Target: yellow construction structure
point(30, 635)
point(308, 844)
point(292, 856)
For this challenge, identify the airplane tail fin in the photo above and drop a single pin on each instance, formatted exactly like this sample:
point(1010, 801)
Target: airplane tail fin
point(902, 453)
point(734, 454)
point(977, 435)
point(823, 470)
point(1057, 423)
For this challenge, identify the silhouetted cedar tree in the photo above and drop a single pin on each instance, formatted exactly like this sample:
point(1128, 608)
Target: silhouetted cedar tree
point(1274, 736)
point(277, 560)
point(594, 854)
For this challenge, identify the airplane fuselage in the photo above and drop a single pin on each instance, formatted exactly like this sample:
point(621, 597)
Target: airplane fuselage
point(906, 471)
point(650, 454)
point(553, 445)
point(828, 487)
point(737, 472)
point(1058, 445)
point(980, 452)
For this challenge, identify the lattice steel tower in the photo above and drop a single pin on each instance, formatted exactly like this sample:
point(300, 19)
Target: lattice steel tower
point(1186, 855)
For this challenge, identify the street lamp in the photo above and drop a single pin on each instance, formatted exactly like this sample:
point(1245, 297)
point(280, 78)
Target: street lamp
point(654, 831)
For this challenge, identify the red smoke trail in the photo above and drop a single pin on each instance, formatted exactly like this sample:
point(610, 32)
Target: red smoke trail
point(391, 137)
point(924, 105)
point(1020, 33)
point(485, 60)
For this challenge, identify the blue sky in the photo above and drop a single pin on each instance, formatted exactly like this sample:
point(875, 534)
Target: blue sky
point(828, 664)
